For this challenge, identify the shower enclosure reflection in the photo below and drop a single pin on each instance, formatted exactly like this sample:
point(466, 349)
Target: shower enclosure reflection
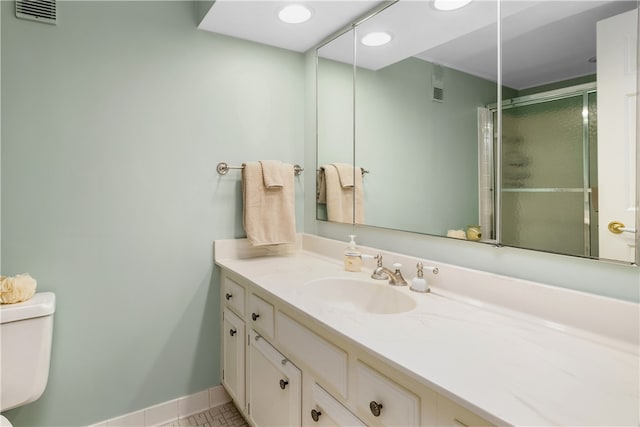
point(549, 171)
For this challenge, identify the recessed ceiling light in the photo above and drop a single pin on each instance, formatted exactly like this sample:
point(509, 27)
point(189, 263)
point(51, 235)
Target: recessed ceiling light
point(450, 4)
point(377, 38)
point(294, 14)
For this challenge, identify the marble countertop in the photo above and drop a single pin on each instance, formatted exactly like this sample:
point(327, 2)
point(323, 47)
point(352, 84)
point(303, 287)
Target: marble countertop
point(511, 368)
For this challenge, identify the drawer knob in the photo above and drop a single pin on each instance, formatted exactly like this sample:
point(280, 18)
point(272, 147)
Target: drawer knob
point(283, 384)
point(315, 415)
point(375, 408)
point(254, 316)
point(232, 332)
point(228, 296)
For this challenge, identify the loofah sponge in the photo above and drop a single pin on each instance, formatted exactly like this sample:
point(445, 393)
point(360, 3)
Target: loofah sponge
point(16, 289)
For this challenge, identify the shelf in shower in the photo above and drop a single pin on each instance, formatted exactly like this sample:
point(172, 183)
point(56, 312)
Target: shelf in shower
point(544, 190)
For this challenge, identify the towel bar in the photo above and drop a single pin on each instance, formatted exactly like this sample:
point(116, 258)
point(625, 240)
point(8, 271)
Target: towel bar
point(223, 168)
point(363, 171)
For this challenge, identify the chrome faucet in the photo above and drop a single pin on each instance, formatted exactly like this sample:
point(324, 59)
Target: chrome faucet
point(379, 273)
point(383, 273)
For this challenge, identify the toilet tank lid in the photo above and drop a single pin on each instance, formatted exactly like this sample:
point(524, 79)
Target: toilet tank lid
point(41, 304)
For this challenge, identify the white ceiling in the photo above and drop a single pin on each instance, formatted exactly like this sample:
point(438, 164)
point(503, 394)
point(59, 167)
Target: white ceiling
point(542, 41)
point(258, 21)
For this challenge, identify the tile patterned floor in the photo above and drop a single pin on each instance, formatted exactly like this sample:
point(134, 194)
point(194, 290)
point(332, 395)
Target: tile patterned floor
point(226, 415)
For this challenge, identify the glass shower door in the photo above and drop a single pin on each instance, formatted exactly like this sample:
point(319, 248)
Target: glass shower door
point(546, 199)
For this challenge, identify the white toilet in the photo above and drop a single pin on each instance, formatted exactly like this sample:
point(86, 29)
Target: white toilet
point(25, 350)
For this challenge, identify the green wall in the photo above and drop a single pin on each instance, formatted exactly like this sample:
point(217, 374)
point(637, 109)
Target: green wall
point(113, 123)
point(419, 151)
point(403, 137)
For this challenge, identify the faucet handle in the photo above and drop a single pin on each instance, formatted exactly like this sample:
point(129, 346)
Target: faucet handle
point(379, 273)
point(396, 278)
point(422, 267)
point(378, 257)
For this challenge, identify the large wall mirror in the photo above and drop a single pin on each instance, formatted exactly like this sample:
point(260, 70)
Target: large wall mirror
point(510, 123)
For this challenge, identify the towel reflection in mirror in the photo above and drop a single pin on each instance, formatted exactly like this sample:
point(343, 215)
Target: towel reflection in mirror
point(340, 189)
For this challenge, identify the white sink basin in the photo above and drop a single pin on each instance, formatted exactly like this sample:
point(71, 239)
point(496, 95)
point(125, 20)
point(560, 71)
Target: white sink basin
point(364, 296)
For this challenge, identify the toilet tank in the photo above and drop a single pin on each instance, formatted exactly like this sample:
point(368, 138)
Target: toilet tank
point(25, 349)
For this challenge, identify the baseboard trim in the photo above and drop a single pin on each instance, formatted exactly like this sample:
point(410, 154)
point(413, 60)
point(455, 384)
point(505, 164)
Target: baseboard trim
point(170, 411)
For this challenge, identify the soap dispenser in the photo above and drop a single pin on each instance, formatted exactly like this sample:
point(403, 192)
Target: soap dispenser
point(352, 256)
point(419, 283)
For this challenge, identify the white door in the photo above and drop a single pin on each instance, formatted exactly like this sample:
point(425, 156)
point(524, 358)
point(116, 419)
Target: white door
point(233, 339)
point(617, 101)
point(274, 386)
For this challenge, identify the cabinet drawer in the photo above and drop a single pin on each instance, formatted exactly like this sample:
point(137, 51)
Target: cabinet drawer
point(382, 402)
point(260, 316)
point(328, 411)
point(233, 295)
point(453, 415)
point(328, 362)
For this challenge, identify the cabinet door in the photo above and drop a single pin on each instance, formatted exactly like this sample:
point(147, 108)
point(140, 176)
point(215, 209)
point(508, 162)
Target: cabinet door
point(275, 388)
point(233, 338)
point(325, 411)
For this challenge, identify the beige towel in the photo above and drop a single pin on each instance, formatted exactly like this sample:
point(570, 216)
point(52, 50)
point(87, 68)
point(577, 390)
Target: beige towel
point(272, 173)
point(338, 197)
point(16, 289)
point(345, 174)
point(269, 214)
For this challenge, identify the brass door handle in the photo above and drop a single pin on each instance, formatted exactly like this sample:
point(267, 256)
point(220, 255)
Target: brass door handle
point(616, 227)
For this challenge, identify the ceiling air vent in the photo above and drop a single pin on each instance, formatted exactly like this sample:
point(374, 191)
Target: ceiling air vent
point(37, 10)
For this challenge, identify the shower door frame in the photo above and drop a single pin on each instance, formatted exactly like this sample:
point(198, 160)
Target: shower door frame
point(583, 90)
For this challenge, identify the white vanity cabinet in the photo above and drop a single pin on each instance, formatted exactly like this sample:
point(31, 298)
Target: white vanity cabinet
point(460, 356)
point(274, 385)
point(298, 373)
